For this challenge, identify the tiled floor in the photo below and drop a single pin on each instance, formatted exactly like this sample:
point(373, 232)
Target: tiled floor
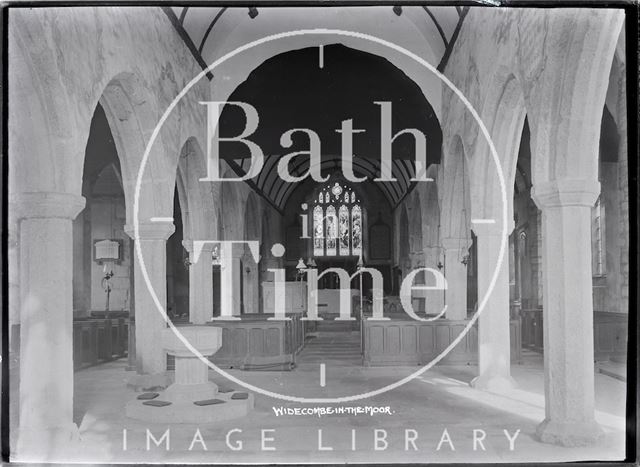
point(439, 399)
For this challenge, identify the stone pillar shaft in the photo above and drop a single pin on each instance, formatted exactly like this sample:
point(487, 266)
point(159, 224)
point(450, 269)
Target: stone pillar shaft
point(230, 277)
point(494, 349)
point(568, 311)
point(200, 284)
point(150, 356)
point(251, 286)
point(456, 275)
point(46, 322)
point(434, 298)
point(190, 370)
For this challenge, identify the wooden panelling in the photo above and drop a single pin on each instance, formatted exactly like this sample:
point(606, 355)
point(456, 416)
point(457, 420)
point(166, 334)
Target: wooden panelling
point(256, 341)
point(406, 342)
point(609, 333)
point(610, 336)
point(99, 340)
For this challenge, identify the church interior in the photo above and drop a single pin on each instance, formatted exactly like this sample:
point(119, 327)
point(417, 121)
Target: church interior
point(117, 237)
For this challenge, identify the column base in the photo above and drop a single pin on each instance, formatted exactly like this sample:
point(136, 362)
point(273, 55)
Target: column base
point(190, 392)
point(50, 444)
point(569, 434)
point(494, 383)
point(149, 382)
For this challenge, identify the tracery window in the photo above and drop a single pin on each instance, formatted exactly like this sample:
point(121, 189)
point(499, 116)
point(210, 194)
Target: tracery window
point(337, 222)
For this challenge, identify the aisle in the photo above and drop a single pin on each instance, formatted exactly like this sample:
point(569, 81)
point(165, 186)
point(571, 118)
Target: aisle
point(335, 348)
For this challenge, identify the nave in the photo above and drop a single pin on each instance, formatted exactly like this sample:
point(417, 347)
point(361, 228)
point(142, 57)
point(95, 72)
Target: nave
point(514, 303)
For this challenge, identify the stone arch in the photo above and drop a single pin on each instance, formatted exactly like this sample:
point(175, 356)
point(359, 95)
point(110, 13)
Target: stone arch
point(572, 81)
point(431, 211)
point(40, 102)
point(198, 196)
point(616, 92)
point(455, 211)
point(403, 237)
point(231, 32)
point(415, 224)
point(57, 99)
point(130, 111)
point(506, 126)
point(182, 191)
point(231, 203)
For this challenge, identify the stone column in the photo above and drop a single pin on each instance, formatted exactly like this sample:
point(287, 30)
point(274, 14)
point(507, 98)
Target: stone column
point(435, 298)
point(200, 283)
point(494, 351)
point(13, 258)
point(251, 285)
point(230, 277)
point(150, 356)
point(418, 297)
point(46, 323)
point(568, 311)
point(456, 275)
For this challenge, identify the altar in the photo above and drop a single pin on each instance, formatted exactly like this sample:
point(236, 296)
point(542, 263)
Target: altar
point(295, 299)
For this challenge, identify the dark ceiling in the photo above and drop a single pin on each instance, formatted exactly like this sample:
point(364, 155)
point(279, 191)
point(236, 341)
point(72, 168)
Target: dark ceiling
point(291, 90)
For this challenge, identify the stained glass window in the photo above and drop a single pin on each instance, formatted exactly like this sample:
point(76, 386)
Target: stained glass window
point(343, 220)
point(318, 231)
point(356, 228)
point(336, 190)
point(337, 222)
point(332, 231)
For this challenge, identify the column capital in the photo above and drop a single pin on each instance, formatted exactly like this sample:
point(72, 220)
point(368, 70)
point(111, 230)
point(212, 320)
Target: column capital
point(43, 204)
point(207, 246)
point(234, 250)
point(487, 230)
point(151, 230)
point(566, 192)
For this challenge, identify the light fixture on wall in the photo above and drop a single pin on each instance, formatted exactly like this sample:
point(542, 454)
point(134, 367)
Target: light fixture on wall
point(107, 252)
point(466, 258)
point(215, 256)
point(253, 12)
point(439, 264)
point(311, 263)
point(301, 268)
point(186, 261)
point(359, 267)
point(397, 9)
point(106, 284)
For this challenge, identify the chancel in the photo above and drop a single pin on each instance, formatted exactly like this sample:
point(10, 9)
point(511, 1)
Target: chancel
point(321, 242)
point(314, 150)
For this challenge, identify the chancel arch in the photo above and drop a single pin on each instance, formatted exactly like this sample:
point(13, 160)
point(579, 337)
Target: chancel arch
point(401, 31)
point(550, 87)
